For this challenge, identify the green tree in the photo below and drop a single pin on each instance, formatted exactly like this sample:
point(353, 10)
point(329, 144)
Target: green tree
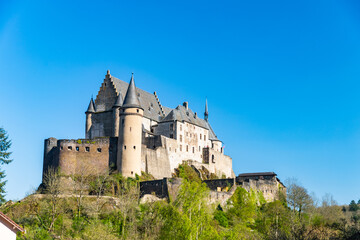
point(353, 206)
point(5, 144)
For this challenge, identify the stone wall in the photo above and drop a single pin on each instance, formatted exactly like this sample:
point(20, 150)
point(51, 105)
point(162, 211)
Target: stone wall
point(81, 156)
point(269, 188)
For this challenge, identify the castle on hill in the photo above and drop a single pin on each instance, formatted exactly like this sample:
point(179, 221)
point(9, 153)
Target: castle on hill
point(129, 130)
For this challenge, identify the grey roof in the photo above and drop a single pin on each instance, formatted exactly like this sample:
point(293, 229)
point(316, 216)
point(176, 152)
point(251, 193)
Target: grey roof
point(147, 100)
point(180, 113)
point(206, 114)
point(119, 101)
point(91, 107)
point(257, 174)
point(153, 111)
point(131, 98)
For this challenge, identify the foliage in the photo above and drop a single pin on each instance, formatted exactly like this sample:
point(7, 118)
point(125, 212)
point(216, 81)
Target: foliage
point(5, 144)
point(113, 211)
point(353, 207)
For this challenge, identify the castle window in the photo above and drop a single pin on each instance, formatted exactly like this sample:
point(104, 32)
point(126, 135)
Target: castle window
point(180, 127)
point(171, 135)
point(204, 137)
point(132, 172)
point(180, 138)
point(130, 129)
point(87, 149)
point(200, 136)
point(99, 149)
point(77, 149)
point(152, 105)
point(171, 127)
point(152, 130)
point(193, 149)
point(134, 147)
point(181, 148)
point(212, 145)
point(199, 148)
point(187, 148)
point(69, 147)
point(213, 158)
point(125, 147)
point(137, 110)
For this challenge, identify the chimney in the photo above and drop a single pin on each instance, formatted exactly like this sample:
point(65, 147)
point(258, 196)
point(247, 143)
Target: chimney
point(186, 105)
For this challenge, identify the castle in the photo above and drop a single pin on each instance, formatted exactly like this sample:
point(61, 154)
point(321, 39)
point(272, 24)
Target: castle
point(129, 130)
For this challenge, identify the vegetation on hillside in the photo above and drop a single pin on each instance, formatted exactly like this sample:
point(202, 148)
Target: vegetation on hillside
point(113, 211)
point(5, 144)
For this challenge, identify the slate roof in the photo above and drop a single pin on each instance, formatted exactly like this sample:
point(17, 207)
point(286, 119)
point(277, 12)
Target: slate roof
point(119, 101)
point(147, 100)
point(153, 111)
point(131, 99)
point(180, 113)
point(91, 108)
point(257, 174)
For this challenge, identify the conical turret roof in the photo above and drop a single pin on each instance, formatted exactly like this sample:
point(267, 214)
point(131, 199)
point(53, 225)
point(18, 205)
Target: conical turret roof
point(206, 114)
point(119, 101)
point(91, 107)
point(131, 99)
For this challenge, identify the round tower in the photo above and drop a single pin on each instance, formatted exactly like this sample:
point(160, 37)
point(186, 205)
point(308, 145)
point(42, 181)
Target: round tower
point(116, 115)
point(88, 124)
point(130, 134)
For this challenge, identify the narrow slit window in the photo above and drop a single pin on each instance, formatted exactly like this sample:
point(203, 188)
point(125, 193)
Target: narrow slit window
point(87, 149)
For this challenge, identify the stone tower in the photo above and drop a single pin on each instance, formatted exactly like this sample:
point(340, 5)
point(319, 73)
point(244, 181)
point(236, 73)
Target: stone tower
point(116, 115)
point(130, 133)
point(89, 112)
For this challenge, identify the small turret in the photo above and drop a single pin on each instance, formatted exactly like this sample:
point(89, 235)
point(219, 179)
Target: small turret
point(131, 100)
point(206, 114)
point(116, 115)
point(130, 134)
point(89, 112)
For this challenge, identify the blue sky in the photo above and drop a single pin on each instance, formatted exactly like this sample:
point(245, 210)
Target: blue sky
point(281, 78)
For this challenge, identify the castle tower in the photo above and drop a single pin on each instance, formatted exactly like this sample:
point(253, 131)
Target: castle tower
point(206, 114)
point(116, 115)
point(89, 112)
point(130, 134)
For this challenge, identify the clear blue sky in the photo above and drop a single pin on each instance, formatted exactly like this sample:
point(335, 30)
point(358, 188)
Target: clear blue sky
point(281, 78)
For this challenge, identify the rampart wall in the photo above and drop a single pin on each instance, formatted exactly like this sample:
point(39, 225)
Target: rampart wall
point(81, 156)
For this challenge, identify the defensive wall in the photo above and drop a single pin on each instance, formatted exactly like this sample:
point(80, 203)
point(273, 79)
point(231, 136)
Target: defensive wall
point(220, 189)
point(80, 156)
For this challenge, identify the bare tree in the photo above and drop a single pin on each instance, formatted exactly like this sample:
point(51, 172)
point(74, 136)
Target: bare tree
point(81, 185)
point(297, 196)
point(53, 189)
point(98, 187)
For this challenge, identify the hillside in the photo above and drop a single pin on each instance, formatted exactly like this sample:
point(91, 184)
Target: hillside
point(108, 207)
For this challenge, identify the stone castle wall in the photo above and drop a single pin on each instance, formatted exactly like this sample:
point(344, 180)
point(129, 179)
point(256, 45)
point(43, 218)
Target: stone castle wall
point(82, 156)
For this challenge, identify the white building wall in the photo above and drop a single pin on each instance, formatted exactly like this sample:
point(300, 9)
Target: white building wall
point(6, 233)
